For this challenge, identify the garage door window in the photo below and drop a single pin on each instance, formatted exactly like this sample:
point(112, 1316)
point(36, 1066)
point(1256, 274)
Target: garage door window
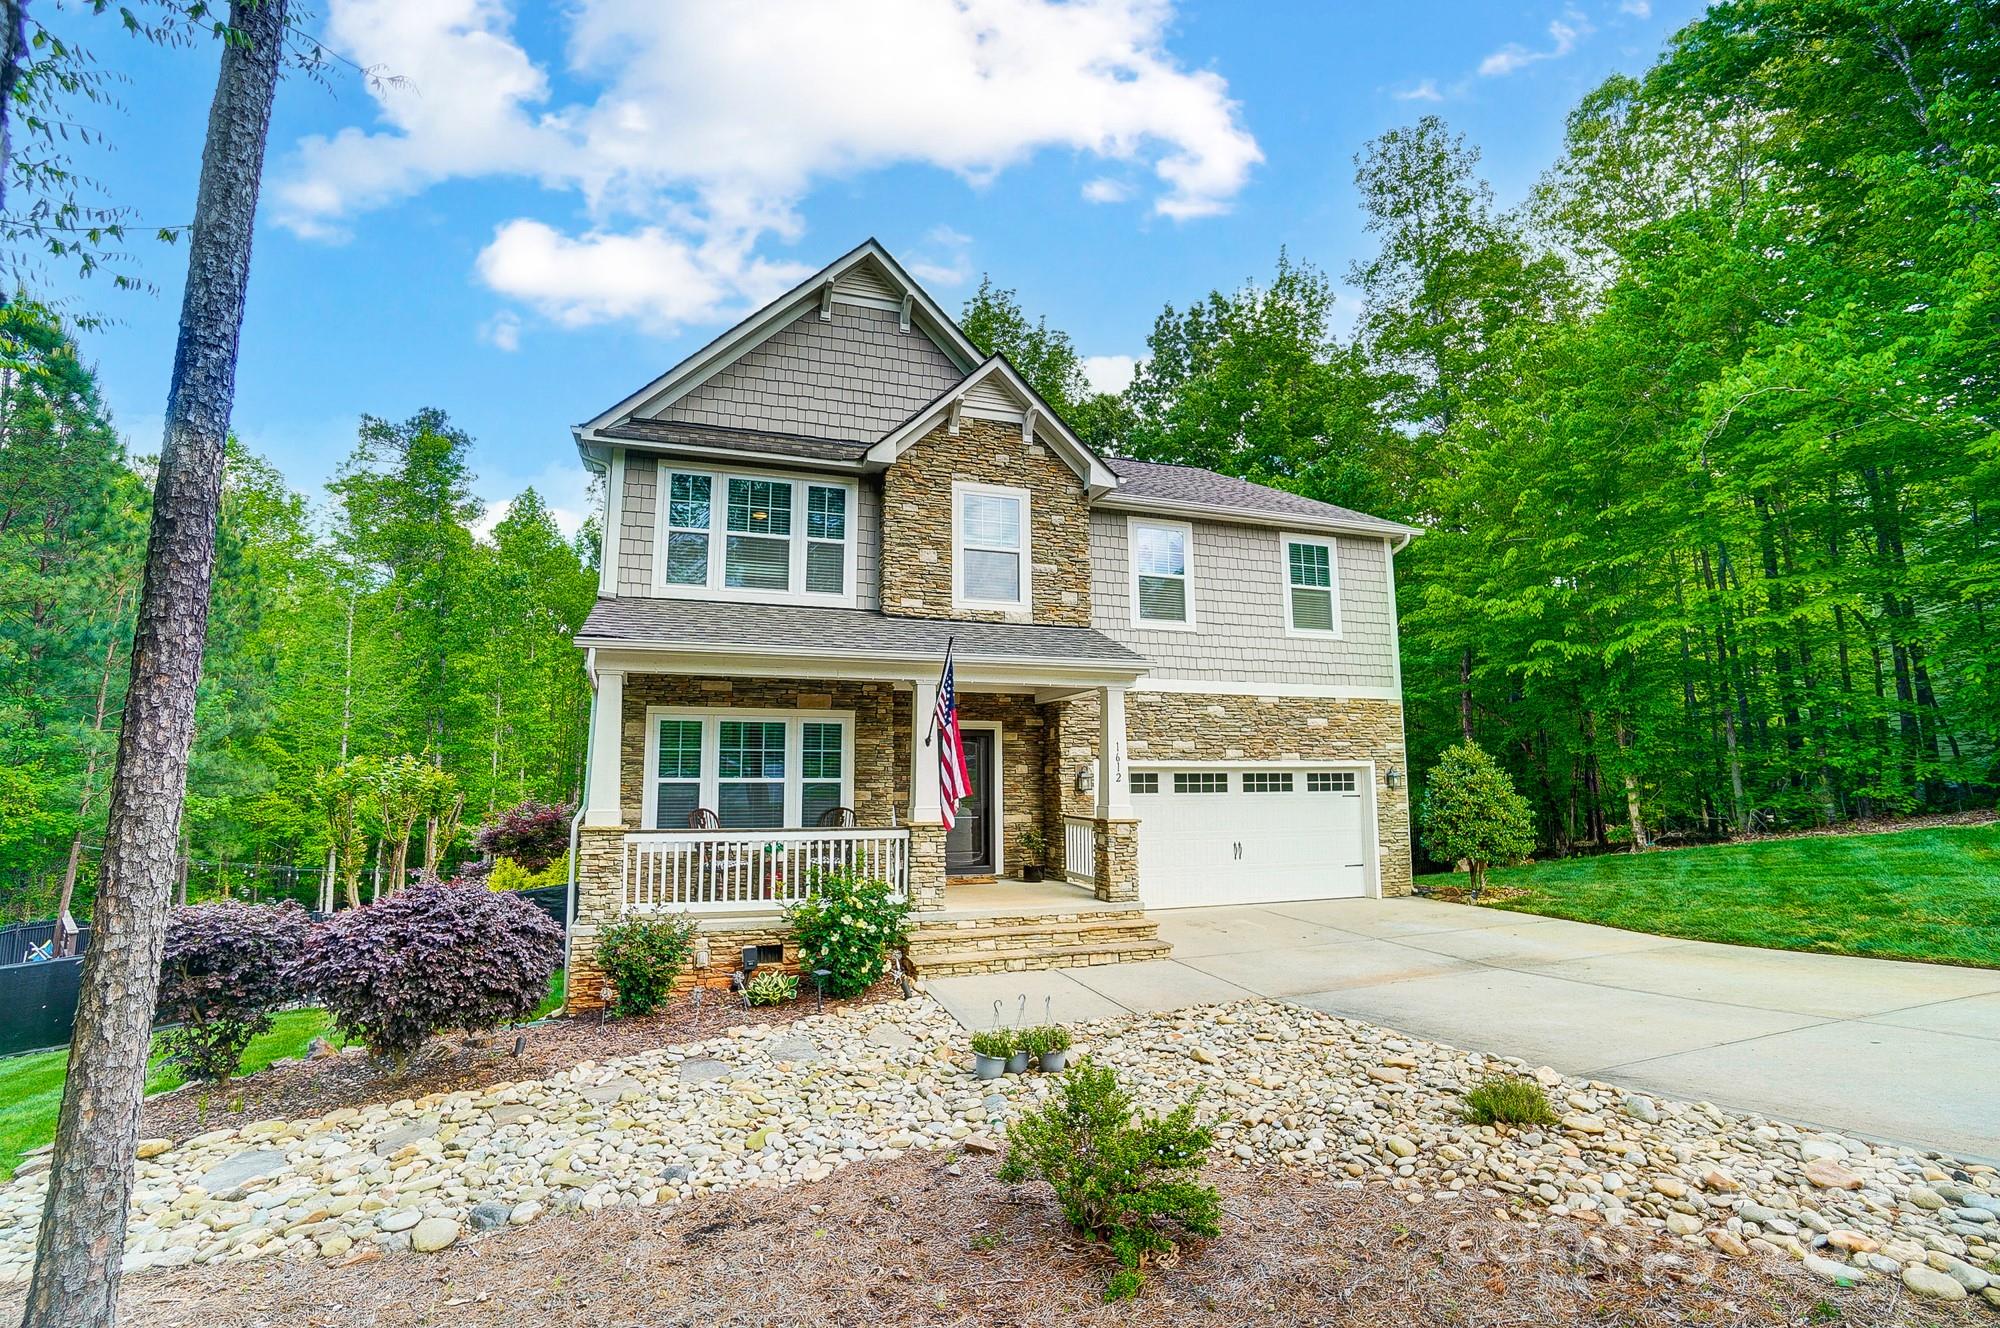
point(1265, 781)
point(1204, 781)
point(1145, 782)
point(1330, 781)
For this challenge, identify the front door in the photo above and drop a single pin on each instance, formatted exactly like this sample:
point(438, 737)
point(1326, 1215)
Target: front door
point(968, 846)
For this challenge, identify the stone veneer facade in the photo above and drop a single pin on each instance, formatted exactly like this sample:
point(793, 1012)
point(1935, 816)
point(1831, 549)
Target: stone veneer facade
point(917, 522)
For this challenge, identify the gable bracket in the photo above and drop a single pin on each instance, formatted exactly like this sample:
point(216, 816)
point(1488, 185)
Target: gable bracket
point(956, 409)
point(826, 303)
point(909, 301)
point(1028, 423)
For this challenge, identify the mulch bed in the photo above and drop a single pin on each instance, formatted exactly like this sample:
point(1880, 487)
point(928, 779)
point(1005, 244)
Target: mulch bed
point(313, 1088)
point(911, 1243)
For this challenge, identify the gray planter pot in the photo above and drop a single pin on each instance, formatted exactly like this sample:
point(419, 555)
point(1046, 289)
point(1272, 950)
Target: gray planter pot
point(1017, 1063)
point(1052, 1061)
point(988, 1067)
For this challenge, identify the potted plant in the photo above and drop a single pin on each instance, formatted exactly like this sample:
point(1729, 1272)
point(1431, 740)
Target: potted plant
point(1049, 1044)
point(1036, 846)
point(1018, 1062)
point(990, 1052)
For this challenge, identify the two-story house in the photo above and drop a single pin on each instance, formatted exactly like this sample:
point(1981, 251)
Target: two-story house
point(1177, 688)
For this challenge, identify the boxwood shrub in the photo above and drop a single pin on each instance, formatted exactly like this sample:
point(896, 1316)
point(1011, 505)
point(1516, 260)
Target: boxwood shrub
point(430, 959)
point(226, 968)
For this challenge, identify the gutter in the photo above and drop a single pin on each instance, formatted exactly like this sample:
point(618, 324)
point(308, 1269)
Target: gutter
point(576, 821)
point(1251, 516)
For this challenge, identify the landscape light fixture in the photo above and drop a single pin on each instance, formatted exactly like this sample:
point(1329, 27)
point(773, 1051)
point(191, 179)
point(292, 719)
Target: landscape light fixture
point(820, 975)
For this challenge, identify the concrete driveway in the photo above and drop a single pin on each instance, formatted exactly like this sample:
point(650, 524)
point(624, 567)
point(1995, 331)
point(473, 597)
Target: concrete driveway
point(1886, 1050)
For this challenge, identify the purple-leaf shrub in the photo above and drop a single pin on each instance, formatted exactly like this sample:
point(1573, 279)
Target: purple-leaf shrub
point(533, 834)
point(225, 968)
point(428, 959)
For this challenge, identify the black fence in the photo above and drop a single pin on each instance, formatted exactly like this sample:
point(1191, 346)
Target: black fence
point(38, 1000)
point(39, 1004)
point(19, 940)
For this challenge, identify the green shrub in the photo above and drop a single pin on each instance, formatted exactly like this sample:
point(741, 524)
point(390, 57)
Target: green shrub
point(847, 926)
point(508, 874)
point(1506, 1100)
point(1470, 810)
point(1118, 1178)
point(642, 957)
point(997, 1043)
point(770, 987)
point(1048, 1037)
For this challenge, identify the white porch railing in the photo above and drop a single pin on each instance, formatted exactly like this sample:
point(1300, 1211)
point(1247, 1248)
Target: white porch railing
point(713, 871)
point(1080, 848)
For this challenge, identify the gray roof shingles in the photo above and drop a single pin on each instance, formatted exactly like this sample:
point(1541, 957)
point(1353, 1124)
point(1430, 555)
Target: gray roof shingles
point(1142, 480)
point(668, 433)
point(864, 633)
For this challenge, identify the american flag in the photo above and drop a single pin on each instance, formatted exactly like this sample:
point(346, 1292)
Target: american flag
point(954, 780)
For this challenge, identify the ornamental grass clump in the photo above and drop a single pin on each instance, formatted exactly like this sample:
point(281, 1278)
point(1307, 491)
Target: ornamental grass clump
point(642, 957)
point(1506, 1100)
point(1125, 1180)
point(847, 925)
point(431, 959)
point(227, 968)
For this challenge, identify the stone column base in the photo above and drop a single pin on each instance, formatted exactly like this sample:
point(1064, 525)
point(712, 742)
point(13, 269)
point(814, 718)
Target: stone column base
point(926, 868)
point(599, 902)
point(1117, 860)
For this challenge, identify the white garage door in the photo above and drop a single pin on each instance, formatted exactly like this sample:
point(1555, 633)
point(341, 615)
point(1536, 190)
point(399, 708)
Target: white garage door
point(1249, 835)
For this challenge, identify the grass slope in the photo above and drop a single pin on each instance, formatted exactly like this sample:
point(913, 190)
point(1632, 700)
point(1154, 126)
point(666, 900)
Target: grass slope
point(1930, 895)
point(31, 1086)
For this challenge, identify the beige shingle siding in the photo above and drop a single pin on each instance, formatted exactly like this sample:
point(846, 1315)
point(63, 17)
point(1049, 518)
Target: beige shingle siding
point(855, 376)
point(635, 527)
point(1240, 611)
point(868, 545)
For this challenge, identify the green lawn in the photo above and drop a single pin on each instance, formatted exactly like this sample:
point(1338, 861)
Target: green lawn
point(31, 1086)
point(1932, 895)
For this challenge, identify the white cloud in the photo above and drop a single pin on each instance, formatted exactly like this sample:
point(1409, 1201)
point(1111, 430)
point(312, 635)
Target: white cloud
point(699, 133)
point(1109, 373)
point(945, 258)
point(1104, 189)
point(1636, 8)
point(502, 331)
point(1424, 91)
point(1564, 33)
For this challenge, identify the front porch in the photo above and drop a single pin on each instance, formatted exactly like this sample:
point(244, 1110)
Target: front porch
point(769, 759)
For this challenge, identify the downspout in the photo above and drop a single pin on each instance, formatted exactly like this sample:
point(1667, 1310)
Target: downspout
point(582, 805)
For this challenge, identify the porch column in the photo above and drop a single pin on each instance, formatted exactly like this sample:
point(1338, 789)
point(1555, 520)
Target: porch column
point(926, 865)
point(1117, 830)
point(607, 739)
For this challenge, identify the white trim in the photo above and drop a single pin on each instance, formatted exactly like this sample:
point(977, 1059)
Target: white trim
point(760, 326)
point(716, 587)
point(1250, 516)
point(1098, 478)
point(710, 717)
point(1332, 546)
point(1395, 625)
point(614, 517)
point(1132, 525)
point(1025, 604)
point(997, 779)
point(806, 661)
point(1323, 691)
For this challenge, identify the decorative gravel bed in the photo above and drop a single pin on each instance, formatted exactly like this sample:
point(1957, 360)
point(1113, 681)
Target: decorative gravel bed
point(1286, 1086)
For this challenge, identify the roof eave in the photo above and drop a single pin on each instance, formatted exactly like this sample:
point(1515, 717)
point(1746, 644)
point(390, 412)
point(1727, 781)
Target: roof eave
point(1097, 476)
point(1122, 501)
point(1134, 667)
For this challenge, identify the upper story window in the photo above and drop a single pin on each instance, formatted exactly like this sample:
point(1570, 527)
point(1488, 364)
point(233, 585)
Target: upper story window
point(1162, 573)
point(765, 537)
point(1312, 587)
point(990, 567)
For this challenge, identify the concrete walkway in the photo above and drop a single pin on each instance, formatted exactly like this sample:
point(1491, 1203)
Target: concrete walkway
point(1886, 1050)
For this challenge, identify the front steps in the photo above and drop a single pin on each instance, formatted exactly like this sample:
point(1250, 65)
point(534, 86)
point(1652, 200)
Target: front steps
point(944, 947)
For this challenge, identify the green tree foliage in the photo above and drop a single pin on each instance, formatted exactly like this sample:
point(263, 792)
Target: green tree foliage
point(1471, 811)
point(1048, 359)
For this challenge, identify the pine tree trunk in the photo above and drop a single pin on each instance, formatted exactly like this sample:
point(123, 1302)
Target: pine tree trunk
point(80, 1247)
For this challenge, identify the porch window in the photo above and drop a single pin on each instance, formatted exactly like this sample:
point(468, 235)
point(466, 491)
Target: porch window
point(990, 547)
point(755, 769)
point(1160, 578)
point(1312, 604)
point(756, 537)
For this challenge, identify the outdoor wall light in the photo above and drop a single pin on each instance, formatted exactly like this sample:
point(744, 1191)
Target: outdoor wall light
point(1086, 779)
point(1394, 778)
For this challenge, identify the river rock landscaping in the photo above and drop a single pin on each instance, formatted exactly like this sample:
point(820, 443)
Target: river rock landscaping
point(1286, 1088)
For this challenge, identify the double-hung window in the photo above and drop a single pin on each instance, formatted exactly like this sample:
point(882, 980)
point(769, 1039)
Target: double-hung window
point(1312, 587)
point(1162, 573)
point(990, 566)
point(755, 769)
point(760, 537)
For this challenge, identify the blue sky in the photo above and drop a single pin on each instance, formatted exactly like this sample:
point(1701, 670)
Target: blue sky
point(559, 201)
